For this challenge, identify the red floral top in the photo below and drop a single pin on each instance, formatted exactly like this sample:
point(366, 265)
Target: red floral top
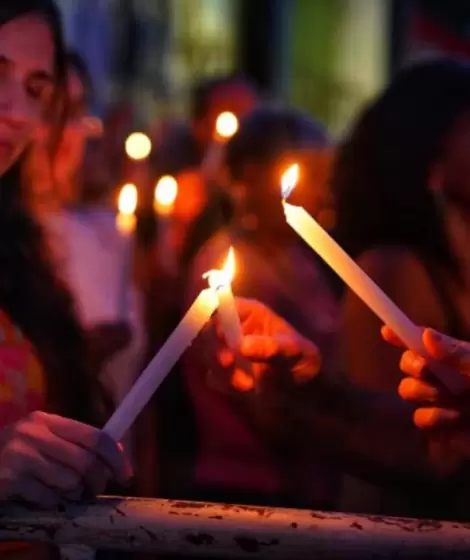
point(22, 385)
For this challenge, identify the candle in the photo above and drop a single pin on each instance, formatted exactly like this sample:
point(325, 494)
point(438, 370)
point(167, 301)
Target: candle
point(165, 195)
point(360, 283)
point(138, 146)
point(155, 373)
point(125, 224)
point(221, 283)
point(225, 127)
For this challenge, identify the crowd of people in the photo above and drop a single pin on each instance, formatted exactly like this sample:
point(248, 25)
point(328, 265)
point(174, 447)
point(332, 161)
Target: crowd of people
point(336, 414)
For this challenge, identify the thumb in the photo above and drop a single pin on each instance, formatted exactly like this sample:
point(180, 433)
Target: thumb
point(447, 349)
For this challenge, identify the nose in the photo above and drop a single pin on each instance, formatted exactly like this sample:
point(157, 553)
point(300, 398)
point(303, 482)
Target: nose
point(17, 108)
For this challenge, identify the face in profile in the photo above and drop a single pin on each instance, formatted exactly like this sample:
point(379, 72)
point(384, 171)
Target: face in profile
point(26, 83)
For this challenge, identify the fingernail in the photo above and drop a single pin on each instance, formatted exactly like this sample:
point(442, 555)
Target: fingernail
point(242, 382)
point(419, 363)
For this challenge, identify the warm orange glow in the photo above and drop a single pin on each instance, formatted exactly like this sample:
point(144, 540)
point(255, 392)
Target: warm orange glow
point(138, 146)
point(289, 180)
point(165, 195)
point(127, 205)
point(222, 278)
point(226, 125)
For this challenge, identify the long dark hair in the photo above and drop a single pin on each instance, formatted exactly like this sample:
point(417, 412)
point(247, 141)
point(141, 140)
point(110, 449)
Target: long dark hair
point(380, 179)
point(30, 292)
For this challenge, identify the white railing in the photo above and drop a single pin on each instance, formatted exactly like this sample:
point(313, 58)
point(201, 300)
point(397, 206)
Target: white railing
point(232, 531)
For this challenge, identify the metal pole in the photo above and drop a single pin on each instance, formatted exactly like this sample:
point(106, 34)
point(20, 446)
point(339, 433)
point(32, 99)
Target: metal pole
point(232, 531)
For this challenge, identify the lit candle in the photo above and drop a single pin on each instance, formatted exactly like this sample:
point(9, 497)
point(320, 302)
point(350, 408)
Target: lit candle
point(359, 282)
point(138, 146)
point(165, 195)
point(125, 224)
point(225, 127)
point(221, 283)
point(155, 373)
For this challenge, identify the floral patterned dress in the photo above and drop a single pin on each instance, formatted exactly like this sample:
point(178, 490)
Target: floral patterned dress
point(22, 390)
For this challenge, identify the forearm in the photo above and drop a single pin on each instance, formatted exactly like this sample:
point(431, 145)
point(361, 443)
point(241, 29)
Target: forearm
point(370, 434)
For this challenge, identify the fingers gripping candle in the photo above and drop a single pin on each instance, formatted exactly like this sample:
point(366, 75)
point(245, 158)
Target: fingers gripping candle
point(359, 282)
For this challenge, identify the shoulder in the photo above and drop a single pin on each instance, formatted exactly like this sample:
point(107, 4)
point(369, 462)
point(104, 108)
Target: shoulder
point(393, 266)
point(404, 277)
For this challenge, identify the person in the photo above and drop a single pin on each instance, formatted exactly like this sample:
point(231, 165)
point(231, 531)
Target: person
point(234, 460)
point(182, 151)
point(81, 230)
point(50, 398)
point(185, 146)
point(401, 190)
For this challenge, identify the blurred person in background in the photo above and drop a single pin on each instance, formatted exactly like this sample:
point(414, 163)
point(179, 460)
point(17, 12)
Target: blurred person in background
point(231, 462)
point(182, 151)
point(402, 186)
point(83, 235)
point(44, 366)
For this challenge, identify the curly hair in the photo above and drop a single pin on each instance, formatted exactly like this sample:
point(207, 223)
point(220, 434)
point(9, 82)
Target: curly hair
point(380, 179)
point(30, 291)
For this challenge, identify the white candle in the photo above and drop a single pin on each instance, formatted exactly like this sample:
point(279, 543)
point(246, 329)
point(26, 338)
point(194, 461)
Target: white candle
point(360, 283)
point(225, 127)
point(165, 195)
point(155, 373)
point(221, 283)
point(125, 223)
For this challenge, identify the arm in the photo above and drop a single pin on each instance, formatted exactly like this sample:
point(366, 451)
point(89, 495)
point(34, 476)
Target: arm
point(369, 361)
point(372, 434)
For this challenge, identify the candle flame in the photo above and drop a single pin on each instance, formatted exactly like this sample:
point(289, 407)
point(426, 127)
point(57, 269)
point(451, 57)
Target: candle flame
point(127, 202)
point(289, 180)
point(138, 146)
point(224, 277)
point(226, 125)
point(166, 191)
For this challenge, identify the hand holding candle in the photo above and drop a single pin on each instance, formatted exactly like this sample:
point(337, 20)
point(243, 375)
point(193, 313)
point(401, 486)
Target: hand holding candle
point(358, 281)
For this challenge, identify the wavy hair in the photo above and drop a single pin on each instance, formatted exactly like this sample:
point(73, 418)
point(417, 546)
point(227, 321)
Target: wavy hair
point(30, 291)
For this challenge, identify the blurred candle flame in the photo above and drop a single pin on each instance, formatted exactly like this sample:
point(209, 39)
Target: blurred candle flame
point(127, 205)
point(138, 146)
point(226, 125)
point(223, 277)
point(166, 192)
point(289, 180)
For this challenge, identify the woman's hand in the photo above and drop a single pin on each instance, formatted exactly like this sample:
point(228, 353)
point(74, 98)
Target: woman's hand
point(275, 351)
point(44, 458)
point(442, 409)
